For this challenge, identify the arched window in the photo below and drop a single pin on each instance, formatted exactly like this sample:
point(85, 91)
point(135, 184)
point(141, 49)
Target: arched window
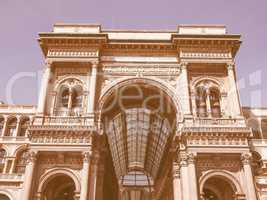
point(214, 96)
point(2, 159)
point(201, 99)
point(65, 97)
point(24, 126)
point(2, 121)
point(208, 100)
point(70, 100)
point(264, 128)
point(11, 127)
point(21, 162)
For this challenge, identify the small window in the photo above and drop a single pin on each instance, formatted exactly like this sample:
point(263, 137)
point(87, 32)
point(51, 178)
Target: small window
point(24, 126)
point(65, 98)
point(201, 102)
point(21, 162)
point(215, 103)
point(11, 127)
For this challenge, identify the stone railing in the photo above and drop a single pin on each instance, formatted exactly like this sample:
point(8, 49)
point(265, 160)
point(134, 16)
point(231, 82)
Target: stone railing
point(11, 177)
point(259, 142)
point(13, 139)
point(214, 122)
point(62, 120)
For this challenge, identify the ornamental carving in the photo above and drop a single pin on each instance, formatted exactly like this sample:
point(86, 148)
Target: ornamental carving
point(216, 162)
point(55, 53)
point(152, 70)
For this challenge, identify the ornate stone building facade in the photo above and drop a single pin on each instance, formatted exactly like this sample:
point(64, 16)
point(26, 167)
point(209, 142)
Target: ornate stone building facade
point(135, 115)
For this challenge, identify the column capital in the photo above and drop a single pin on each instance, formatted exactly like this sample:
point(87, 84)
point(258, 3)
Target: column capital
point(95, 63)
point(31, 157)
point(230, 65)
point(48, 63)
point(176, 170)
point(183, 159)
point(246, 158)
point(191, 158)
point(183, 65)
point(87, 156)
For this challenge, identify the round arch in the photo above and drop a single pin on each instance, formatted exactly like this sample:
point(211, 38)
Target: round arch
point(50, 174)
point(7, 194)
point(20, 149)
point(59, 82)
point(207, 78)
point(167, 89)
point(224, 175)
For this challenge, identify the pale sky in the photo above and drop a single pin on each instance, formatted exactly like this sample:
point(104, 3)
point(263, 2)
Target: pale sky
point(21, 20)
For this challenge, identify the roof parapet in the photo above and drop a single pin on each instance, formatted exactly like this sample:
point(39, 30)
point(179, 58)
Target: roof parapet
point(77, 28)
point(202, 29)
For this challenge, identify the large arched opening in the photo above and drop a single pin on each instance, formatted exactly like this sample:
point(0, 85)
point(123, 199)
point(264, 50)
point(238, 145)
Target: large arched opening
point(59, 187)
point(139, 120)
point(4, 197)
point(219, 188)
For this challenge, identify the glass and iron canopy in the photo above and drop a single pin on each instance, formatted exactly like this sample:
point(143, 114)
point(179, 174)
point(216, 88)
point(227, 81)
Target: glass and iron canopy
point(138, 135)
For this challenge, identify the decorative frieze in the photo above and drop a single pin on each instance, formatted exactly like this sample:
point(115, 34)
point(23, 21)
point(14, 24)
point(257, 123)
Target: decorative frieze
point(218, 162)
point(61, 137)
point(151, 70)
point(215, 139)
point(205, 55)
point(80, 53)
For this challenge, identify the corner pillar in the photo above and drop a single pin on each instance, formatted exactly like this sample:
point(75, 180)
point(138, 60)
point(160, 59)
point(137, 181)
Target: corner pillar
point(44, 89)
point(183, 88)
point(85, 175)
point(233, 97)
point(192, 176)
point(248, 176)
point(177, 190)
point(93, 179)
point(29, 172)
point(92, 90)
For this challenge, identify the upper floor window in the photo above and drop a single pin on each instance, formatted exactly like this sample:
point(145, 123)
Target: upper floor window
point(214, 95)
point(2, 121)
point(70, 99)
point(11, 127)
point(21, 162)
point(2, 159)
point(201, 102)
point(264, 128)
point(24, 126)
point(208, 100)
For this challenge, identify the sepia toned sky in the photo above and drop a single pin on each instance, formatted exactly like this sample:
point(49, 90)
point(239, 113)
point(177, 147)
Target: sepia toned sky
point(21, 60)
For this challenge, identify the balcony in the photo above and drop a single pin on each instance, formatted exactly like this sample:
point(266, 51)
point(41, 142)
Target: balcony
point(11, 177)
point(260, 146)
point(214, 125)
point(63, 121)
point(13, 139)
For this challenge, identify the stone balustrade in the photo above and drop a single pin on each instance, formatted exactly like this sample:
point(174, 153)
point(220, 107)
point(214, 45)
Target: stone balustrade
point(11, 177)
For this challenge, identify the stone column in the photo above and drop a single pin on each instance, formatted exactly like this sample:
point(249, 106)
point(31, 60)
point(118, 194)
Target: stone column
point(233, 97)
point(44, 89)
point(246, 160)
point(183, 89)
point(192, 177)
point(208, 106)
point(4, 126)
point(184, 177)
point(93, 179)
point(12, 168)
point(85, 176)
point(29, 172)
point(92, 90)
point(18, 126)
point(177, 193)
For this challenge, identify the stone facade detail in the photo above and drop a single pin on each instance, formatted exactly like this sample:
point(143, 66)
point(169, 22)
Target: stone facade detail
point(135, 115)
